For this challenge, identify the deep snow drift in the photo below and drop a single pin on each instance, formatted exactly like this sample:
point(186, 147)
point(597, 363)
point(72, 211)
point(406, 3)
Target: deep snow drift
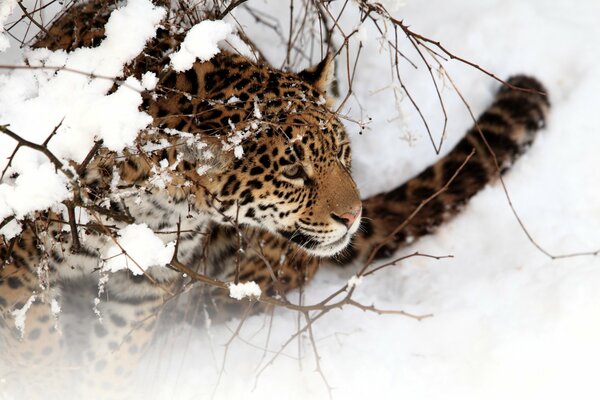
point(508, 321)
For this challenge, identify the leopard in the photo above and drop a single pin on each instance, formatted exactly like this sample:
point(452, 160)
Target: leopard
point(248, 168)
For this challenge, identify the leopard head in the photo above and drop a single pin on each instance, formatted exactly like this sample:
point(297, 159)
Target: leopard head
point(288, 166)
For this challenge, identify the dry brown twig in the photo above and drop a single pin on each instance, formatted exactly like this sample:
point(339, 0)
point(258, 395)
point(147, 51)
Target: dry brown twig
point(234, 335)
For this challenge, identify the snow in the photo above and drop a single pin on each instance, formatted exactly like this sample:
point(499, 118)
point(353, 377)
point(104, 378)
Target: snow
point(143, 250)
point(6, 8)
point(201, 42)
point(240, 291)
point(38, 188)
point(391, 5)
point(149, 80)
point(354, 281)
point(508, 322)
point(20, 314)
point(238, 151)
point(74, 101)
point(203, 169)
point(361, 32)
point(113, 118)
point(55, 307)
point(11, 229)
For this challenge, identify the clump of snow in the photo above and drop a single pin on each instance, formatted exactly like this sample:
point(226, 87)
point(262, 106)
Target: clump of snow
point(6, 8)
point(104, 276)
point(54, 307)
point(242, 290)
point(362, 33)
point(238, 151)
point(143, 250)
point(128, 30)
point(201, 42)
point(96, 309)
point(124, 123)
point(354, 281)
point(36, 188)
point(10, 230)
point(238, 136)
point(149, 80)
point(256, 112)
point(161, 177)
point(20, 315)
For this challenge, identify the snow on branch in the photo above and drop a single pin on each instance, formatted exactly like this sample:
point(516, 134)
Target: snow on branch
point(201, 43)
point(137, 248)
point(6, 8)
point(240, 291)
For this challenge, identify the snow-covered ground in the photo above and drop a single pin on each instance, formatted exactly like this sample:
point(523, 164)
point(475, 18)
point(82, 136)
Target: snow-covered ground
point(508, 322)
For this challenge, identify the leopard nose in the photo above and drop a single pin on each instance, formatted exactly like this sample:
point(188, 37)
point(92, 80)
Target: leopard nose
point(347, 218)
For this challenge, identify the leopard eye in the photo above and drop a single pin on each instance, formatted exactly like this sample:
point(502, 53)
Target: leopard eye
point(342, 154)
point(294, 172)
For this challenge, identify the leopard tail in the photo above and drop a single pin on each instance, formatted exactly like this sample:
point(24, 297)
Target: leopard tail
point(435, 195)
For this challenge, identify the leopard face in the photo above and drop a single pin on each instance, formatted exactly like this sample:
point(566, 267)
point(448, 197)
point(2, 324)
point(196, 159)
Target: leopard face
point(292, 173)
point(294, 180)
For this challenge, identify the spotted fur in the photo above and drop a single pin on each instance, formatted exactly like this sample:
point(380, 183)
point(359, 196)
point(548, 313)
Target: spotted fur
point(239, 155)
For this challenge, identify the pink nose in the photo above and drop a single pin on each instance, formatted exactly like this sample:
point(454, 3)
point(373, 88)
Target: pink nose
point(348, 218)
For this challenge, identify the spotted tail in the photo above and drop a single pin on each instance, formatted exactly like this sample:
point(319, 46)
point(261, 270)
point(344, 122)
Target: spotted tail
point(509, 126)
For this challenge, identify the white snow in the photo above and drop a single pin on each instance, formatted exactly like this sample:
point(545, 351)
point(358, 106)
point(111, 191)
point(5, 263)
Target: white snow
point(201, 42)
point(20, 314)
point(11, 229)
point(507, 321)
point(256, 112)
point(240, 290)
point(35, 102)
point(143, 249)
point(6, 8)
point(37, 188)
point(354, 281)
point(393, 5)
point(149, 80)
point(55, 307)
point(113, 118)
point(238, 151)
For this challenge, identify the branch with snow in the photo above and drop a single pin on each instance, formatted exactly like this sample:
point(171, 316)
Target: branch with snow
point(137, 248)
point(201, 43)
point(75, 103)
point(244, 290)
point(205, 40)
point(354, 281)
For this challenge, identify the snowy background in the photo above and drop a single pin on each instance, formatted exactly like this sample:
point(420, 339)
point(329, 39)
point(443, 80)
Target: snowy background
point(508, 321)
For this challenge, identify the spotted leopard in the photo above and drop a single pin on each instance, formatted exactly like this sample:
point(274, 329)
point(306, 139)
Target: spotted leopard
point(289, 202)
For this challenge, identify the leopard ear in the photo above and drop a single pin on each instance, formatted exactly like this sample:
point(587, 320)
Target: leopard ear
point(320, 75)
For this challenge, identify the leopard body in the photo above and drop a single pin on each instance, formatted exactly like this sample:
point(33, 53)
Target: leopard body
point(240, 155)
